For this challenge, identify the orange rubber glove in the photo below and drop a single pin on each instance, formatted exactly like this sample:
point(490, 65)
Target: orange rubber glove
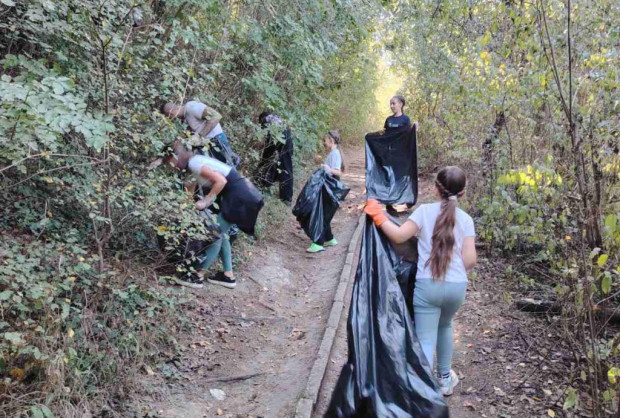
point(374, 209)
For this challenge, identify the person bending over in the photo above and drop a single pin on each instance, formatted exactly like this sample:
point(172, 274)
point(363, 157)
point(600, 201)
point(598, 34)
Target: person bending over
point(220, 179)
point(204, 122)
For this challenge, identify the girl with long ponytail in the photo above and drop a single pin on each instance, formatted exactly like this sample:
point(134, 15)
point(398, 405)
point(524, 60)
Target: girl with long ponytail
point(446, 253)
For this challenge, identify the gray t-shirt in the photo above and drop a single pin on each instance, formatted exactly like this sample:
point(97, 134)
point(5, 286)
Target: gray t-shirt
point(334, 159)
point(193, 118)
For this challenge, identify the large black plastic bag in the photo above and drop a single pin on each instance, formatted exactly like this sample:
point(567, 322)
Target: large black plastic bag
point(317, 203)
point(391, 166)
point(387, 374)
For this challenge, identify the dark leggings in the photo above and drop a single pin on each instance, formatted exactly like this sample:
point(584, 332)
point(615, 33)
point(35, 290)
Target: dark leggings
point(326, 236)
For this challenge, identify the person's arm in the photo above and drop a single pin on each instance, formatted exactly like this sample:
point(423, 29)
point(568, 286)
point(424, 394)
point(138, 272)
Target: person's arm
point(332, 171)
point(399, 233)
point(396, 233)
point(218, 182)
point(212, 117)
point(468, 253)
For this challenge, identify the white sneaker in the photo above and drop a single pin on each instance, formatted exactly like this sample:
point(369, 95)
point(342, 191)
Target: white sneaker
point(447, 385)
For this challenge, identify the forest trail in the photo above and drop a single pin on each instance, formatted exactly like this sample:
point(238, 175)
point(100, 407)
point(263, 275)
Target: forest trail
point(265, 334)
point(258, 343)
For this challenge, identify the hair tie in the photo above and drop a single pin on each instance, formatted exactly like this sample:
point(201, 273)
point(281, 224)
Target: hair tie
point(453, 197)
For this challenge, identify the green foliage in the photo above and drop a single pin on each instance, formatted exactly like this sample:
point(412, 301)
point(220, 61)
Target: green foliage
point(527, 212)
point(521, 95)
point(80, 87)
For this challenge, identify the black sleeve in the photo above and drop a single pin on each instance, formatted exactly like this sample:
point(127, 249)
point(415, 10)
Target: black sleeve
point(385, 125)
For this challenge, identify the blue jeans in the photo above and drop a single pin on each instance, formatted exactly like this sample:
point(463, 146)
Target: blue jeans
point(434, 304)
point(220, 247)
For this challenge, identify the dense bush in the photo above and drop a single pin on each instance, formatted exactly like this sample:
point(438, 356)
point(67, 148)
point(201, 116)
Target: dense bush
point(80, 87)
point(523, 96)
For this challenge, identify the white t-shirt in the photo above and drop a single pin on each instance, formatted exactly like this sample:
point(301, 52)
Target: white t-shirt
point(334, 159)
point(193, 118)
point(425, 217)
point(198, 161)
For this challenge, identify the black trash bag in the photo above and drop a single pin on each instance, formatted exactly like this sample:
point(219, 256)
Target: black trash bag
point(391, 166)
point(387, 374)
point(317, 203)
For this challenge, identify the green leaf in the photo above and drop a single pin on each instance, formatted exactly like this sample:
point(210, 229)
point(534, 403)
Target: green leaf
point(571, 399)
point(36, 412)
point(47, 412)
point(14, 338)
point(611, 221)
point(606, 283)
point(6, 295)
point(9, 3)
point(602, 259)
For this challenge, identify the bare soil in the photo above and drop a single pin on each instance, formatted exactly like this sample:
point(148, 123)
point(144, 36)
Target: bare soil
point(260, 339)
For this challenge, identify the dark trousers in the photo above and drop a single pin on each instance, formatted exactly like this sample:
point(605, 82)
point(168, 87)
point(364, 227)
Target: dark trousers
point(326, 236)
point(286, 186)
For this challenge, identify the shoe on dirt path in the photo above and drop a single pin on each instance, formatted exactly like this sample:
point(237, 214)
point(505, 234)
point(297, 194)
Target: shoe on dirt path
point(331, 243)
point(315, 248)
point(447, 384)
point(194, 281)
point(223, 280)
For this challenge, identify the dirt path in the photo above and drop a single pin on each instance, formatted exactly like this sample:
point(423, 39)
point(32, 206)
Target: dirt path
point(258, 342)
point(510, 363)
point(264, 335)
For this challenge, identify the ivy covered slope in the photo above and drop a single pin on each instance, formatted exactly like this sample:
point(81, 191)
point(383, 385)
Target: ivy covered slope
point(80, 307)
point(524, 96)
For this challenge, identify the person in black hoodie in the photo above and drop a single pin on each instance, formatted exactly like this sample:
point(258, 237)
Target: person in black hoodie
point(276, 164)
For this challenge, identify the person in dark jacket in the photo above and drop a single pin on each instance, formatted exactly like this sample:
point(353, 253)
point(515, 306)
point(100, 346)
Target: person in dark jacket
point(276, 164)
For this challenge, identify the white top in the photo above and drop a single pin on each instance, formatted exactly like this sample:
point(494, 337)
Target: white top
point(425, 217)
point(196, 163)
point(334, 159)
point(193, 118)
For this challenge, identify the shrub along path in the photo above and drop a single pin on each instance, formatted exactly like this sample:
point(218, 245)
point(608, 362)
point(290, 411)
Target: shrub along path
point(260, 339)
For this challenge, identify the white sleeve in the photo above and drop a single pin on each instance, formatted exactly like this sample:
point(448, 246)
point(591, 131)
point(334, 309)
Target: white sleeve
point(418, 216)
point(195, 164)
point(468, 227)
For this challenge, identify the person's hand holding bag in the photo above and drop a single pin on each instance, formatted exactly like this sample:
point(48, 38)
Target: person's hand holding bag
point(374, 209)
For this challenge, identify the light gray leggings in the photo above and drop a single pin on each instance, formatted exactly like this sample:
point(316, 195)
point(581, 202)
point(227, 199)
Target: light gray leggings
point(434, 304)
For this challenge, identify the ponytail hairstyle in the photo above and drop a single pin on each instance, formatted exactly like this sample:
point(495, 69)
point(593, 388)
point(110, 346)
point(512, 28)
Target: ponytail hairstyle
point(401, 99)
point(335, 135)
point(450, 183)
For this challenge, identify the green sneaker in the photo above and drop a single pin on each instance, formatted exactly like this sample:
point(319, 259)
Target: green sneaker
point(315, 248)
point(331, 243)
